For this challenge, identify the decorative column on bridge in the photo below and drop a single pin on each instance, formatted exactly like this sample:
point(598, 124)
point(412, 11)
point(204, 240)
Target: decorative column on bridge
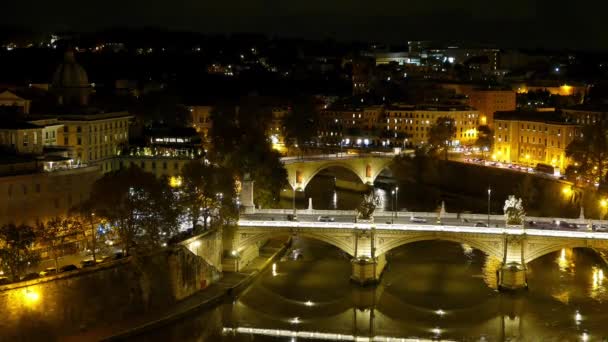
point(512, 274)
point(366, 266)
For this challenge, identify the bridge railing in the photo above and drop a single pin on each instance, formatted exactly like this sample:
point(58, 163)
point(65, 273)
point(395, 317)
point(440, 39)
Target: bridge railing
point(407, 214)
point(426, 228)
point(335, 156)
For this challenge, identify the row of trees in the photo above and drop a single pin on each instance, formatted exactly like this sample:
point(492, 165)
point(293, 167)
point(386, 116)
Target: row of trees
point(137, 211)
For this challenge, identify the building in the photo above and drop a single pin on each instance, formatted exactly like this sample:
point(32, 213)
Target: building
point(553, 87)
point(201, 120)
point(11, 99)
point(363, 74)
point(529, 138)
point(351, 126)
point(38, 180)
point(586, 114)
point(489, 101)
point(415, 121)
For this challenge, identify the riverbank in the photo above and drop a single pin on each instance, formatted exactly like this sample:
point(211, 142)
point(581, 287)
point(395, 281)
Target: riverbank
point(231, 284)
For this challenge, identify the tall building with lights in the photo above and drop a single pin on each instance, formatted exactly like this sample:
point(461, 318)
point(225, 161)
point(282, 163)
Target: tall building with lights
point(530, 138)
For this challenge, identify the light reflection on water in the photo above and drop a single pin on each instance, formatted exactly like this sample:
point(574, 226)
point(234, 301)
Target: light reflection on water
point(431, 290)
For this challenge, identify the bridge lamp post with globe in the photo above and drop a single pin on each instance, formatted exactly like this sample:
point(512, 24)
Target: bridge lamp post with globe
point(489, 201)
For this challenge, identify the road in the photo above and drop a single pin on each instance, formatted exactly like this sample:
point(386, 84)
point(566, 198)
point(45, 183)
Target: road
point(379, 219)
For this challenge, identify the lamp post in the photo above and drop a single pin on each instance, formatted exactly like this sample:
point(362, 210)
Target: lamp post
point(294, 200)
point(393, 206)
point(489, 200)
point(396, 202)
point(93, 235)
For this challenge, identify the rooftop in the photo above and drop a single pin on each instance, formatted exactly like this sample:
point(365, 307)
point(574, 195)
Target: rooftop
point(553, 117)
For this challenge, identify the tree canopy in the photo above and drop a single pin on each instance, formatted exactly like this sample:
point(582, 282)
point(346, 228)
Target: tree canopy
point(589, 153)
point(441, 134)
point(16, 249)
point(240, 144)
point(207, 192)
point(140, 208)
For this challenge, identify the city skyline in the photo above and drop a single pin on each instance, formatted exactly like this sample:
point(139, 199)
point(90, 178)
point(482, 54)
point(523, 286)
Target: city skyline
point(513, 24)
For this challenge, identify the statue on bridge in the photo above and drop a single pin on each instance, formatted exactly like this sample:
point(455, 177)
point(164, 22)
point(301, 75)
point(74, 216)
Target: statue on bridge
point(365, 211)
point(514, 211)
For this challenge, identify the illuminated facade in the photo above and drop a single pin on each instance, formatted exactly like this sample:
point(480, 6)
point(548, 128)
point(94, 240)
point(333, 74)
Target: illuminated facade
point(347, 125)
point(490, 101)
point(94, 138)
point(416, 122)
point(201, 120)
point(585, 114)
point(565, 89)
point(529, 138)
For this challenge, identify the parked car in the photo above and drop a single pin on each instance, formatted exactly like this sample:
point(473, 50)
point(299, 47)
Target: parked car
point(30, 276)
point(480, 224)
point(600, 228)
point(292, 217)
point(67, 268)
point(4, 281)
point(88, 263)
point(118, 255)
point(48, 271)
point(417, 219)
point(325, 219)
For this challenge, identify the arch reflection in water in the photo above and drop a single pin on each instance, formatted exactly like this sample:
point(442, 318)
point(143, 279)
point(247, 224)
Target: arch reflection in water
point(429, 288)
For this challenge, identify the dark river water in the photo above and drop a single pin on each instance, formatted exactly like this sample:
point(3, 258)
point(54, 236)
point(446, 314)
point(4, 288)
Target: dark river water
point(431, 290)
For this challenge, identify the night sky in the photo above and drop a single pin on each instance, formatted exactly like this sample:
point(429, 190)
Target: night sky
point(527, 23)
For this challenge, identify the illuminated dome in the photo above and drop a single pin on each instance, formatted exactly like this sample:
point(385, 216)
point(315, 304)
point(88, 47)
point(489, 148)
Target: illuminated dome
point(71, 82)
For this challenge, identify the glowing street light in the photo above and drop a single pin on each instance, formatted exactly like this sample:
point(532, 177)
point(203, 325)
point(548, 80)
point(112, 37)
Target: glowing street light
point(489, 201)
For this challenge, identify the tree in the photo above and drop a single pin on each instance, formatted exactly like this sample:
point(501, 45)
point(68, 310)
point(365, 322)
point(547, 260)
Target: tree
point(485, 138)
point(441, 134)
point(208, 192)
point(54, 233)
point(16, 251)
point(240, 144)
point(140, 208)
point(301, 121)
point(589, 152)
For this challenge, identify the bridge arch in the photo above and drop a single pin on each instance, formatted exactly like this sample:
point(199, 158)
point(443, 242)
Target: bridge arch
point(341, 240)
point(345, 166)
point(536, 253)
point(493, 248)
point(366, 167)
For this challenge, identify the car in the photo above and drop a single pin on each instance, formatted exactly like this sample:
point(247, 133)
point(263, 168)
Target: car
point(88, 263)
point(30, 276)
point(118, 255)
point(600, 228)
point(480, 224)
point(67, 268)
point(48, 271)
point(292, 217)
point(417, 219)
point(4, 281)
point(325, 219)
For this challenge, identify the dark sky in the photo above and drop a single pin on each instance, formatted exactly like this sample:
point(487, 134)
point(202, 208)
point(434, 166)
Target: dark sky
point(529, 23)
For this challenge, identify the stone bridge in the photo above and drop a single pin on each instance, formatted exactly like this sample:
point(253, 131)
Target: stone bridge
point(300, 171)
point(368, 244)
point(367, 167)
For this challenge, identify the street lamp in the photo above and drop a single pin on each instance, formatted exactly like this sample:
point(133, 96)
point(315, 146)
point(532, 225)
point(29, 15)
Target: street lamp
point(393, 206)
point(489, 200)
point(396, 201)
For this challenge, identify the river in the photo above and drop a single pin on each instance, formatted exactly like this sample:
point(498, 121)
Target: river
point(431, 290)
